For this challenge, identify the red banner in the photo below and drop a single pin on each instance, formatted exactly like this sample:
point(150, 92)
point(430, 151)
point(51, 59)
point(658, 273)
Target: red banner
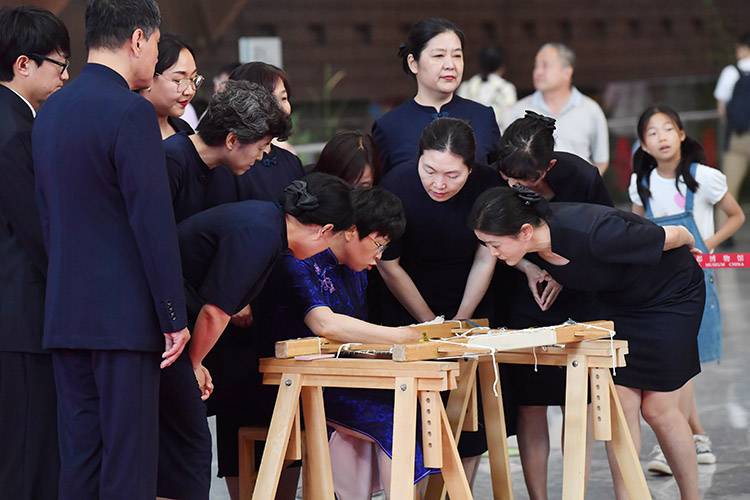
point(723, 260)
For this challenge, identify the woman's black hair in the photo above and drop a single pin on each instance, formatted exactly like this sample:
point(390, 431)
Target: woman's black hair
point(347, 155)
point(31, 32)
point(526, 147)
point(378, 211)
point(490, 60)
point(262, 73)
point(502, 211)
point(319, 199)
point(420, 35)
point(643, 163)
point(452, 135)
point(170, 47)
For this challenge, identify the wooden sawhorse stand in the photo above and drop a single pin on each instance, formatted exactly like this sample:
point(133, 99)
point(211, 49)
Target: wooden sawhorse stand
point(412, 382)
point(589, 360)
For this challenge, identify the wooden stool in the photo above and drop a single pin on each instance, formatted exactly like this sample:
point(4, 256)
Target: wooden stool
point(411, 382)
point(247, 437)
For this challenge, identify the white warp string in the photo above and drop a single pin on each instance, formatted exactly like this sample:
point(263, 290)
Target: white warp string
point(476, 328)
point(491, 352)
point(345, 347)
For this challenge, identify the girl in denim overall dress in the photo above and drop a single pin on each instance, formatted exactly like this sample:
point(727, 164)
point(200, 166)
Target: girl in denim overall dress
point(671, 186)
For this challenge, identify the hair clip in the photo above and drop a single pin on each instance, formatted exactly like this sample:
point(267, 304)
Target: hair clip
point(298, 199)
point(526, 195)
point(548, 121)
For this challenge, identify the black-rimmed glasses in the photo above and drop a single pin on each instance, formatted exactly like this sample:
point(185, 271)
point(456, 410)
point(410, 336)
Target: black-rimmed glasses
point(64, 65)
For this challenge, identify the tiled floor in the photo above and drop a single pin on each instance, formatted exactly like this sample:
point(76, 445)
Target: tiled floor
point(723, 392)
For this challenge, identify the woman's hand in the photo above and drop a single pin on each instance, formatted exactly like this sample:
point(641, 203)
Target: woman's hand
point(407, 335)
point(205, 384)
point(543, 287)
point(677, 236)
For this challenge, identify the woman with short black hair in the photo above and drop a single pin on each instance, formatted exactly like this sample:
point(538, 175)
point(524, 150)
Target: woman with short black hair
point(176, 81)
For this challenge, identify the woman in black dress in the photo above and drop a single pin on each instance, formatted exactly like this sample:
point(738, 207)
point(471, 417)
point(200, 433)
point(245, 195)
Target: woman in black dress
point(527, 157)
point(647, 281)
point(433, 57)
point(176, 81)
point(278, 167)
point(437, 267)
point(238, 125)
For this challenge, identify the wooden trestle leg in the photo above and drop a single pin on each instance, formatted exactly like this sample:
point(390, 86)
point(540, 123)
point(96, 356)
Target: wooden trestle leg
point(287, 404)
point(458, 404)
point(453, 471)
point(497, 440)
point(404, 438)
point(624, 449)
point(320, 487)
point(576, 419)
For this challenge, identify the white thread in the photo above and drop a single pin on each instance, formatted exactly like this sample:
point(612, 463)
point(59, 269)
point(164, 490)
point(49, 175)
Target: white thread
point(467, 332)
point(492, 352)
point(346, 347)
point(533, 351)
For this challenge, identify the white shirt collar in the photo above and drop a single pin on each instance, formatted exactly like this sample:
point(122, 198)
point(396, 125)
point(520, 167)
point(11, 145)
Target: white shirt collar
point(33, 111)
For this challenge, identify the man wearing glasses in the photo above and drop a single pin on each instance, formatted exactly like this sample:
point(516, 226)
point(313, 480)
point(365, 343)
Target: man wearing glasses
point(115, 306)
point(34, 46)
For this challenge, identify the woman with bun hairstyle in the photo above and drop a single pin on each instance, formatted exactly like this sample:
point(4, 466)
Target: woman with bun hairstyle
point(433, 57)
point(228, 252)
point(527, 157)
point(437, 267)
point(647, 281)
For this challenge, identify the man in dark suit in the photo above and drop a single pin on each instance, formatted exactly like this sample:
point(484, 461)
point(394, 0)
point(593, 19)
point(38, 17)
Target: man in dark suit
point(114, 283)
point(34, 47)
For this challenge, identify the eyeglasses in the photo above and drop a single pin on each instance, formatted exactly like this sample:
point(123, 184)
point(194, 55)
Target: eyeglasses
point(182, 85)
point(63, 64)
point(380, 246)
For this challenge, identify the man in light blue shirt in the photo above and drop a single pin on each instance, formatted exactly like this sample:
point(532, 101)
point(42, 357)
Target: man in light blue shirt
point(581, 124)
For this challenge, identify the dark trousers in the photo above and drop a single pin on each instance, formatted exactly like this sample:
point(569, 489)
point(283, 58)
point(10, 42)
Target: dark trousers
point(29, 465)
point(184, 439)
point(108, 421)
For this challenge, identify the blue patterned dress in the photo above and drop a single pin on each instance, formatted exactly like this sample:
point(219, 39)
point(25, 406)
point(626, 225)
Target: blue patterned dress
point(321, 281)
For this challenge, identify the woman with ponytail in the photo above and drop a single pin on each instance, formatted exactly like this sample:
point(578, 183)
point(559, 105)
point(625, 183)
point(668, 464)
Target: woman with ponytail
point(433, 56)
point(646, 280)
point(527, 157)
point(671, 185)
